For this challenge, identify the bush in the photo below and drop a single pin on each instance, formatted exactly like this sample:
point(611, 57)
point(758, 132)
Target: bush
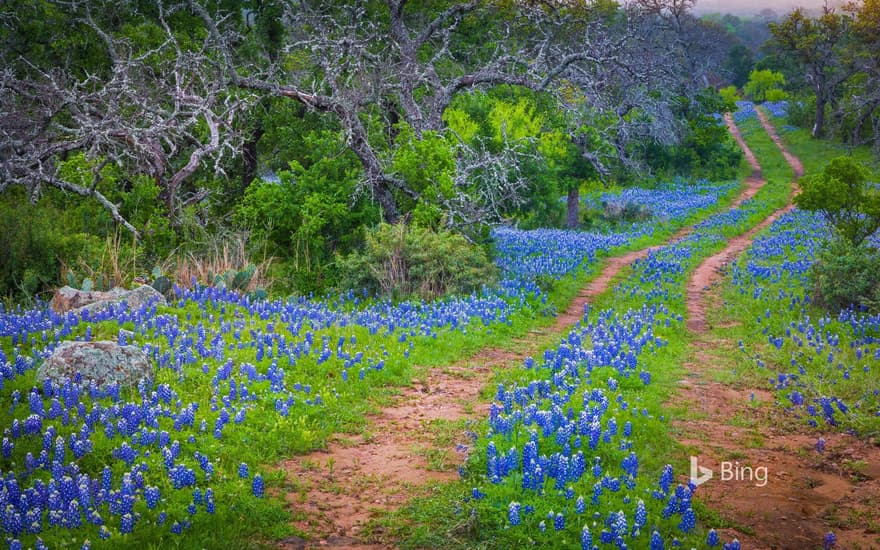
point(730, 95)
point(36, 249)
point(802, 113)
point(401, 260)
point(763, 82)
point(775, 95)
point(846, 274)
point(844, 197)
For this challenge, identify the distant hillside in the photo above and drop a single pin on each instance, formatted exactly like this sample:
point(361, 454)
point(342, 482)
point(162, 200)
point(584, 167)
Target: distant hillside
point(753, 7)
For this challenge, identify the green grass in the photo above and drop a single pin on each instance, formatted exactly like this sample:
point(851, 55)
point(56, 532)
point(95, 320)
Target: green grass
point(450, 519)
point(241, 520)
point(739, 304)
point(814, 154)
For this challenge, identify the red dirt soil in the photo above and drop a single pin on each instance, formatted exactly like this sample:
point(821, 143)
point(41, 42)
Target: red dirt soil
point(333, 493)
point(709, 271)
point(807, 494)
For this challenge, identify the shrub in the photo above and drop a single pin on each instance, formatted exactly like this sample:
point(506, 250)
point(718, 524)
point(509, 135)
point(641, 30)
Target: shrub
point(802, 113)
point(36, 249)
point(401, 260)
point(843, 196)
point(762, 82)
point(845, 274)
point(775, 95)
point(730, 95)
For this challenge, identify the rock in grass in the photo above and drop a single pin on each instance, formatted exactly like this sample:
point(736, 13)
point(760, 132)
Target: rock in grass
point(70, 299)
point(103, 363)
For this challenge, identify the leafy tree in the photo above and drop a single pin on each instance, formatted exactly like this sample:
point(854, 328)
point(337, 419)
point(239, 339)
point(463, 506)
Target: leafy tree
point(844, 275)
point(843, 196)
point(122, 84)
point(309, 214)
point(861, 103)
point(739, 63)
point(730, 96)
point(820, 47)
point(373, 65)
point(763, 83)
point(528, 128)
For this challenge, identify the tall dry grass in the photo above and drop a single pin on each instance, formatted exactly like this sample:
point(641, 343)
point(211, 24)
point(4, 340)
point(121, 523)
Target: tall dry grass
point(117, 266)
point(227, 252)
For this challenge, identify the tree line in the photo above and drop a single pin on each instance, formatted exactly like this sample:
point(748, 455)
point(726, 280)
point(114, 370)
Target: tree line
point(307, 121)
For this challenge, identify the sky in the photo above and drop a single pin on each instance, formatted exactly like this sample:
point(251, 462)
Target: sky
point(752, 7)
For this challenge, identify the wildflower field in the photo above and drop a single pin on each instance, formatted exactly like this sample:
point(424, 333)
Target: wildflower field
point(578, 448)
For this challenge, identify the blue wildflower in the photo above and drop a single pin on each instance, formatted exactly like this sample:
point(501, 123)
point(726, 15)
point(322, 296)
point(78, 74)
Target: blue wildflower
point(656, 541)
point(257, 486)
point(513, 513)
point(712, 540)
point(586, 539)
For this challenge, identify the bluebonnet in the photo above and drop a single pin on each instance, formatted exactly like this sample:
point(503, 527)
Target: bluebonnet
point(513, 510)
point(586, 539)
point(712, 539)
point(210, 505)
point(688, 521)
point(656, 541)
point(830, 541)
point(559, 522)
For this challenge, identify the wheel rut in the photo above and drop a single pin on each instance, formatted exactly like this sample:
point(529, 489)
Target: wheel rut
point(709, 271)
point(806, 494)
point(334, 493)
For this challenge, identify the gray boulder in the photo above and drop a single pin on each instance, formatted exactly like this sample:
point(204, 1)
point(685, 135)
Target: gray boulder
point(103, 363)
point(70, 299)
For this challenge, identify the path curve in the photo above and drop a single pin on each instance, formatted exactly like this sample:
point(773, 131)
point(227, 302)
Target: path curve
point(333, 493)
point(709, 271)
point(805, 494)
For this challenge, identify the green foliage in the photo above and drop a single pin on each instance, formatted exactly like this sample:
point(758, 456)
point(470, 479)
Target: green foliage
point(739, 63)
point(308, 215)
point(401, 261)
point(36, 244)
point(765, 85)
point(730, 95)
point(706, 149)
point(776, 95)
point(801, 112)
point(843, 196)
point(427, 163)
point(845, 275)
point(506, 116)
point(514, 120)
point(63, 238)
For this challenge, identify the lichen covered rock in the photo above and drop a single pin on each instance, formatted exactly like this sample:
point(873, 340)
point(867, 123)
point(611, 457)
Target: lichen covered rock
point(103, 363)
point(70, 299)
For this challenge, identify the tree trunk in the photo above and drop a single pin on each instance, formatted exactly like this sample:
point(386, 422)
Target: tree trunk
point(386, 200)
point(373, 172)
point(819, 125)
point(249, 158)
point(572, 219)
